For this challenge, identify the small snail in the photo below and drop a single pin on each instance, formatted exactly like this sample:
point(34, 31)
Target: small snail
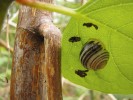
point(93, 55)
point(90, 25)
point(81, 73)
point(74, 39)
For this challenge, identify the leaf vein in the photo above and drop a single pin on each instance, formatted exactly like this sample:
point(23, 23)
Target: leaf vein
point(111, 6)
point(111, 53)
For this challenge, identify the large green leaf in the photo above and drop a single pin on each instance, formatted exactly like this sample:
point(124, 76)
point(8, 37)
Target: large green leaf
point(114, 19)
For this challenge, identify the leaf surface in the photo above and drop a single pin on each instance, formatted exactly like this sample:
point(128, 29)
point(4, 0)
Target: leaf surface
point(114, 19)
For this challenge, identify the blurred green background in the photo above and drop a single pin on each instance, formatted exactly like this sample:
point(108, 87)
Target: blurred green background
point(7, 37)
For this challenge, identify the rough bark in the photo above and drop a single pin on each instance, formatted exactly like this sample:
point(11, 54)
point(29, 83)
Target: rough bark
point(36, 60)
point(52, 59)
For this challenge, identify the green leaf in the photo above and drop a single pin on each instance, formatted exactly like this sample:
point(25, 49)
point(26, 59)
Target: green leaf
point(114, 19)
point(4, 4)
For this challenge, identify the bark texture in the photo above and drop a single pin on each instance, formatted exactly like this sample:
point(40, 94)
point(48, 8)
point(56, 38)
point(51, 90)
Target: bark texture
point(52, 59)
point(36, 60)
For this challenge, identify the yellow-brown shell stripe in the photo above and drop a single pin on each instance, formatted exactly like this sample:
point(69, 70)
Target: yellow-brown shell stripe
point(93, 55)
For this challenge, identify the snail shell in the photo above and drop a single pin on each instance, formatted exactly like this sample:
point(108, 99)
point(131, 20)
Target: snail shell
point(93, 55)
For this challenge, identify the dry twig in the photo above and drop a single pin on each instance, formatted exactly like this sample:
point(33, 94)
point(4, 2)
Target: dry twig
point(3, 44)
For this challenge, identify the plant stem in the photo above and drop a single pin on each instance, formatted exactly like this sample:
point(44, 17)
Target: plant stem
point(51, 7)
point(3, 44)
point(91, 94)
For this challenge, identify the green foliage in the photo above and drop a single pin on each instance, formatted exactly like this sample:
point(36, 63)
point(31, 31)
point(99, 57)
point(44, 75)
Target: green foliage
point(115, 27)
point(4, 4)
point(5, 66)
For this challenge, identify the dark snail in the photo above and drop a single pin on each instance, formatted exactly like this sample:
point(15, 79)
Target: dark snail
point(81, 73)
point(74, 39)
point(93, 55)
point(90, 25)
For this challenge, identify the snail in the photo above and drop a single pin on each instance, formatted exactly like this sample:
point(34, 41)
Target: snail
point(90, 25)
point(94, 55)
point(81, 73)
point(74, 39)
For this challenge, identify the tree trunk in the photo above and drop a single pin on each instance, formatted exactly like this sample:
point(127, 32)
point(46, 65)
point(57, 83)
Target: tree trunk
point(36, 60)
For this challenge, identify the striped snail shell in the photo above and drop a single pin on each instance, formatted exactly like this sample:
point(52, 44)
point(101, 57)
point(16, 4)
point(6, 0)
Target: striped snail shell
point(93, 55)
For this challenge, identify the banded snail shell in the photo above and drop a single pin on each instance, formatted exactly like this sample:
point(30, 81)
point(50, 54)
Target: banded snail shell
point(93, 55)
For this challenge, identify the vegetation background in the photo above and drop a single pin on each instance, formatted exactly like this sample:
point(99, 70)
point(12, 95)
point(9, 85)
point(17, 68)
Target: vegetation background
point(70, 90)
